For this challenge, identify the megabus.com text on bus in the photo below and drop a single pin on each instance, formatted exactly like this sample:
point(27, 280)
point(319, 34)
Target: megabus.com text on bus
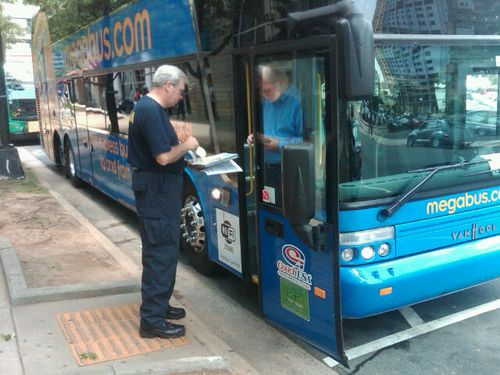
point(125, 36)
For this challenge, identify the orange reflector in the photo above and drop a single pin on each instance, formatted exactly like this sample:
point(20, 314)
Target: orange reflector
point(385, 291)
point(318, 292)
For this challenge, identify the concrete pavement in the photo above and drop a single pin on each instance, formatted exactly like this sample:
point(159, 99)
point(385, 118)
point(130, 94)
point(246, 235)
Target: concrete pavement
point(33, 343)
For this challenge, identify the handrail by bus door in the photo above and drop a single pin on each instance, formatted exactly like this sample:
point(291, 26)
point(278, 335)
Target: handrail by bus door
point(250, 128)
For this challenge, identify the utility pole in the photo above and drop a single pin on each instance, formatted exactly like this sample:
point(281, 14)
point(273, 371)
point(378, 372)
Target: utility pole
point(10, 164)
point(4, 119)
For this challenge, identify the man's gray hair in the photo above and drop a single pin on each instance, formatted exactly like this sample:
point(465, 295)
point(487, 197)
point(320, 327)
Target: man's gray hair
point(167, 73)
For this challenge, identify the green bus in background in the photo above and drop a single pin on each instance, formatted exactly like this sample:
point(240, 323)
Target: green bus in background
point(23, 121)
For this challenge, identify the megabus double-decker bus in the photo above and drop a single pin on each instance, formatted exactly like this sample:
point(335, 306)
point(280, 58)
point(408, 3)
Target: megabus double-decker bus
point(371, 181)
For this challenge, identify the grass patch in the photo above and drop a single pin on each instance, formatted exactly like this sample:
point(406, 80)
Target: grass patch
point(29, 184)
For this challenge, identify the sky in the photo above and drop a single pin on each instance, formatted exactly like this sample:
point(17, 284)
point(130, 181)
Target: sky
point(19, 10)
point(18, 57)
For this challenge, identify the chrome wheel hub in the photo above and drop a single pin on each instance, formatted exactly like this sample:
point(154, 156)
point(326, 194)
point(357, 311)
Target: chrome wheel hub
point(193, 224)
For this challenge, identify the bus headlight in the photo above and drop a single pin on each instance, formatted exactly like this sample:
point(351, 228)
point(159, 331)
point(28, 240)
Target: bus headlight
point(347, 255)
point(366, 236)
point(221, 194)
point(383, 249)
point(367, 252)
point(216, 194)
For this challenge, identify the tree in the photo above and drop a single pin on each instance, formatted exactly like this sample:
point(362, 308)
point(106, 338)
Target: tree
point(10, 30)
point(67, 16)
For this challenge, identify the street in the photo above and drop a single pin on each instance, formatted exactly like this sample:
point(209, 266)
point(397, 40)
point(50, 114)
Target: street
point(455, 334)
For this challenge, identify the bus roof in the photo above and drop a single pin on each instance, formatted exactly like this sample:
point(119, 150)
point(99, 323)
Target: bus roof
point(27, 92)
point(144, 30)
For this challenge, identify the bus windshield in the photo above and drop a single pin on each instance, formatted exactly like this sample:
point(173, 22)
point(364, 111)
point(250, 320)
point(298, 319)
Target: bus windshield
point(22, 104)
point(433, 105)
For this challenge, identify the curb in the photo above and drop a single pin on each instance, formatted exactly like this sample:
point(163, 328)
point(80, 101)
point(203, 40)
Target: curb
point(20, 294)
point(225, 361)
point(193, 365)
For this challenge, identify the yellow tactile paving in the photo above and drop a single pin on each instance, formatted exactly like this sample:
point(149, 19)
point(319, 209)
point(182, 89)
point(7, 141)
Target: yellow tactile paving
point(108, 333)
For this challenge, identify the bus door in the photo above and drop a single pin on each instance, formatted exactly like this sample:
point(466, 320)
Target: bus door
point(298, 261)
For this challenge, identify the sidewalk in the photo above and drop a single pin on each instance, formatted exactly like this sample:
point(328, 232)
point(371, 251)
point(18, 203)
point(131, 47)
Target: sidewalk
point(35, 338)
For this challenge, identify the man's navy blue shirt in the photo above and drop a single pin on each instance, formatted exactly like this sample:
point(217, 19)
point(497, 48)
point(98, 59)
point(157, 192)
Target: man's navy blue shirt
point(150, 134)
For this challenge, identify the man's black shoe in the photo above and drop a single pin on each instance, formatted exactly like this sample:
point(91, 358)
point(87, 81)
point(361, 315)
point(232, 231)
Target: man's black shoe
point(175, 313)
point(166, 331)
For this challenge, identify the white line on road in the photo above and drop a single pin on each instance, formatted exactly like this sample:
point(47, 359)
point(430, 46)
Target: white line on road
point(418, 330)
point(411, 316)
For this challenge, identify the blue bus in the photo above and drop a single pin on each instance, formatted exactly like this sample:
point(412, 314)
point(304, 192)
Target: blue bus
point(390, 197)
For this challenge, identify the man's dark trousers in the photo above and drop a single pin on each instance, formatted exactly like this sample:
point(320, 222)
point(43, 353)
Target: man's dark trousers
point(160, 247)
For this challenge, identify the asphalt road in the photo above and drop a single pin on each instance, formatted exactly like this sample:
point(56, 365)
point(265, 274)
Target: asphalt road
point(455, 334)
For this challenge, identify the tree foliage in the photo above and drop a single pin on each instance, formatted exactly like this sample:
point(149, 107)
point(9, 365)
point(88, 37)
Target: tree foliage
point(10, 30)
point(67, 16)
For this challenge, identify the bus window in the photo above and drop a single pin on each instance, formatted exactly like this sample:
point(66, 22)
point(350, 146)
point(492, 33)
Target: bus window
point(429, 109)
point(190, 115)
point(291, 94)
point(22, 109)
point(95, 100)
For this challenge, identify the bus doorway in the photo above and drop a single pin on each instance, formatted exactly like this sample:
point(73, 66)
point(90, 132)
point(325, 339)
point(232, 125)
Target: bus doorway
point(296, 219)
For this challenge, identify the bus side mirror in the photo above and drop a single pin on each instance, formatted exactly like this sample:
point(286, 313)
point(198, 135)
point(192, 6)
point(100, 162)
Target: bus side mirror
point(298, 182)
point(354, 37)
point(356, 57)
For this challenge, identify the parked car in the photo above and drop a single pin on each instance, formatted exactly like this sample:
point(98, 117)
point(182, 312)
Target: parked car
point(482, 122)
point(438, 133)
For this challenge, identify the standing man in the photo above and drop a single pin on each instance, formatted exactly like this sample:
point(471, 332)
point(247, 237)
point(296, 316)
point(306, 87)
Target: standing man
point(282, 119)
point(156, 157)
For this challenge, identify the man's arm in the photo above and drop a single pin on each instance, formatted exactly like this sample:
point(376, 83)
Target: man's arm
point(176, 152)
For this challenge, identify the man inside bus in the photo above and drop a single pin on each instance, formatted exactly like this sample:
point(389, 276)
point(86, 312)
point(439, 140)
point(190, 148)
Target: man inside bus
point(156, 157)
point(282, 122)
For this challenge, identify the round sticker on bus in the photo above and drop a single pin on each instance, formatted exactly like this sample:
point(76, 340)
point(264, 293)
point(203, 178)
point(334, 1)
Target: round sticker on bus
point(294, 256)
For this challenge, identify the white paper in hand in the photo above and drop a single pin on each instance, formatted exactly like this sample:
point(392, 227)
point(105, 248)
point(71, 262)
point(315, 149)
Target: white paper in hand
point(200, 152)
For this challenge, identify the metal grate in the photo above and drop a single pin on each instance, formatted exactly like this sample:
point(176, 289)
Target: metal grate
point(39, 116)
point(108, 334)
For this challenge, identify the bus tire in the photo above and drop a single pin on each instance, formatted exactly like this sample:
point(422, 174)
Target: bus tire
point(69, 166)
point(58, 153)
point(192, 234)
point(410, 142)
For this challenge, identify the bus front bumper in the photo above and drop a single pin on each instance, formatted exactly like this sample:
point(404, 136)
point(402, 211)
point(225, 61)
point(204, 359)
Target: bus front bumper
point(366, 290)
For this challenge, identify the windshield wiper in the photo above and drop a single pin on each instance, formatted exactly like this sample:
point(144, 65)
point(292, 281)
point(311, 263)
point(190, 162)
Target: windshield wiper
point(492, 171)
point(404, 197)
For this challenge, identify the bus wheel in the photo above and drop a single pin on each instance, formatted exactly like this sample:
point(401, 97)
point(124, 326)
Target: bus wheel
point(193, 235)
point(69, 166)
point(58, 153)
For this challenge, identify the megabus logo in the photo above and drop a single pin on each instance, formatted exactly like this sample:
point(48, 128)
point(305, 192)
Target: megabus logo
point(100, 43)
point(467, 200)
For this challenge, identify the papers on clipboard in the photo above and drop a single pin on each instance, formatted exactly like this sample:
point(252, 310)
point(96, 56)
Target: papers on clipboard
point(228, 166)
point(211, 160)
point(215, 164)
